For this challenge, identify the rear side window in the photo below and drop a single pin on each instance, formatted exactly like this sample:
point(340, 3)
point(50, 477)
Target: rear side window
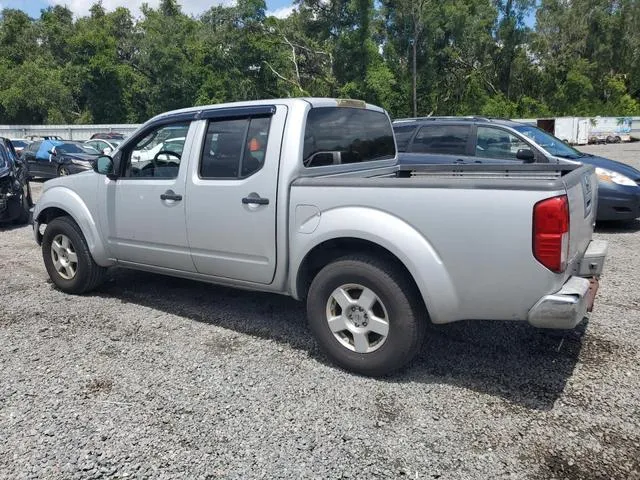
point(445, 139)
point(403, 135)
point(339, 135)
point(234, 148)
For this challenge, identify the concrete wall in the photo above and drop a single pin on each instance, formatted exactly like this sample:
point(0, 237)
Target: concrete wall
point(68, 132)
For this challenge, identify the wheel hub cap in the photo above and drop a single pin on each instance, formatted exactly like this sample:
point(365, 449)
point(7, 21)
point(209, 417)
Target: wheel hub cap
point(357, 318)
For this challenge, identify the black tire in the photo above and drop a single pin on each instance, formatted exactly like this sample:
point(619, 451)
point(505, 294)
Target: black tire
point(406, 313)
point(88, 273)
point(23, 218)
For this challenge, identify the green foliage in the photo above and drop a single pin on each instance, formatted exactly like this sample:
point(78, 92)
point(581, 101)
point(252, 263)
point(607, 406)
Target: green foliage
point(470, 57)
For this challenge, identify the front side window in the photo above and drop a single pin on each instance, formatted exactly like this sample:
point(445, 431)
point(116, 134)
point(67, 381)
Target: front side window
point(234, 148)
point(497, 143)
point(339, 135)
point(157, 154)
point(442, 139)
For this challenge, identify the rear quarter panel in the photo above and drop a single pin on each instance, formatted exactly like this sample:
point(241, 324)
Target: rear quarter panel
point(469, 250)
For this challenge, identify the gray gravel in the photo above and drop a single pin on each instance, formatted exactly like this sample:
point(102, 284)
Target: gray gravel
point(154, 377)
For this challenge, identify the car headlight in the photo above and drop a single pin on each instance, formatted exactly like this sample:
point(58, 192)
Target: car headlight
point(81, 163)
point(615, 177)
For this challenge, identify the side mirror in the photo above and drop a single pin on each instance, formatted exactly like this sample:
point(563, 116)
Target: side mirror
point(104, 166)
point(526, 155)
point(106, 150)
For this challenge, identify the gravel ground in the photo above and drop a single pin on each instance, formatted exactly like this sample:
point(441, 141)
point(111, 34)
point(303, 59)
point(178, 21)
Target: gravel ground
point(154, 377)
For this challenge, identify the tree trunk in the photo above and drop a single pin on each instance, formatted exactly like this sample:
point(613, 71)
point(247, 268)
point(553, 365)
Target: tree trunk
point(415, 77)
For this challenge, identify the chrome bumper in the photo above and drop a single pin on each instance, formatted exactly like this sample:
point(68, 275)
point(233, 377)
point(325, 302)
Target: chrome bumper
point(568, 307)
point(564, 309)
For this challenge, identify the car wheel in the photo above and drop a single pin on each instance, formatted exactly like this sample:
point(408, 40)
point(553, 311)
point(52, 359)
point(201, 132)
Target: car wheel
point(67, 258)
point(63, 171)
point(366, 315)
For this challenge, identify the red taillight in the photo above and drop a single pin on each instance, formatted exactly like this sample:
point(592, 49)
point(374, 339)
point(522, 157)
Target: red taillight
point(551, 232)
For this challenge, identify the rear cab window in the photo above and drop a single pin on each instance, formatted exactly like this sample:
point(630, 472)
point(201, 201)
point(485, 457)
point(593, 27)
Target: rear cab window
point(341, 135)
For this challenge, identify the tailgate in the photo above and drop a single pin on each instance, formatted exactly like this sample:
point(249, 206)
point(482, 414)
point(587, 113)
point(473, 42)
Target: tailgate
point(582, 192)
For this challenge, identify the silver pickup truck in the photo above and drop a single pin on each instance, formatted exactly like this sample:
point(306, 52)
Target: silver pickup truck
point(304, 197)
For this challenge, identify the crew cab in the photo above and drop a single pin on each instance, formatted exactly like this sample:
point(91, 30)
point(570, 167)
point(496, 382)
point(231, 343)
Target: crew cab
point(304, 197)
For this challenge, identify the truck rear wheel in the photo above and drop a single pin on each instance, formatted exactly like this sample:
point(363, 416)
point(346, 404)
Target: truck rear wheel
point(365, 315)
point(67, 258)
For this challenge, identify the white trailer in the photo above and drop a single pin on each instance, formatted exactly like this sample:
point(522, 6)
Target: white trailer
point(610, 129)
point(572, 130)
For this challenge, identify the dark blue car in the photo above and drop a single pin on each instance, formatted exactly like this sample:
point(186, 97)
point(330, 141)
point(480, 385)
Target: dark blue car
point(465, 140)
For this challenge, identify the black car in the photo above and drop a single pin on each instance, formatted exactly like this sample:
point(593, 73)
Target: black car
point(15, 194)
point(470, 140)
point(55, 158)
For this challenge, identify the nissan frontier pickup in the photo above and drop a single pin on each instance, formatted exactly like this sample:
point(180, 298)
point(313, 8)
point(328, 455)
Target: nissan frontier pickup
point(304, 197)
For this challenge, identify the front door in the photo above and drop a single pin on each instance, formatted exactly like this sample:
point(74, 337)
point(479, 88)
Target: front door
point(231, 196)
point(145, 206)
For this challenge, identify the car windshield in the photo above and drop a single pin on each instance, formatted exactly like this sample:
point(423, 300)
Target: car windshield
point(551, 144)
point(19, 143)
point(76, 148)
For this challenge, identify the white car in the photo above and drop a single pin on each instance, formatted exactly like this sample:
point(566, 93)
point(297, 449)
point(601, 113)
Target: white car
point(106, 147)
point(150, 151)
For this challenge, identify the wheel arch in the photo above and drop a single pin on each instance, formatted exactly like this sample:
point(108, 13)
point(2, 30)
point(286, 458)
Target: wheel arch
point(58, 202)
point(400, 243)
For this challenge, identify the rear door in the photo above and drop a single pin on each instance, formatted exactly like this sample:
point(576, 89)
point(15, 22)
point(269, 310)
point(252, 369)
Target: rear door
point(30, 157)
point(441, 143)
point(231, 194)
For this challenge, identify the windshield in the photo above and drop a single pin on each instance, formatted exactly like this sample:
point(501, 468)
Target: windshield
point(551, 144)
point(19, 143)
point(76, 148)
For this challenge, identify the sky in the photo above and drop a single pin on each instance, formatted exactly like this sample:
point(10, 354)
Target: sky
point(278, 8)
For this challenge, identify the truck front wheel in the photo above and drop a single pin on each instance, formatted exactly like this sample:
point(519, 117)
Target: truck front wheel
point(365, 315)
point(67, 258)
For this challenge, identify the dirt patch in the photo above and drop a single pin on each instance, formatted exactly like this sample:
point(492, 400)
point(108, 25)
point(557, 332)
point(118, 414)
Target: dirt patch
point(98, 385)
point(617, 459)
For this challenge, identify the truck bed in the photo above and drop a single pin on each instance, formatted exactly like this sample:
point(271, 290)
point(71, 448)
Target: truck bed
point(475, 219)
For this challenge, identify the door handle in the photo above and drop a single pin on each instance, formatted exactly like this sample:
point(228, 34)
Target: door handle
point(169, 195)
point(255, 201)
point(459, 160)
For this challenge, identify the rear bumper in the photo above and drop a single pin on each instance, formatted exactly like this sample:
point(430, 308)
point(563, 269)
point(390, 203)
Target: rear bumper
point(566, 308)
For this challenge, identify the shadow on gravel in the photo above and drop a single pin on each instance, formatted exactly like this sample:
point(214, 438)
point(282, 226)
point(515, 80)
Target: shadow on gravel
point(514, 361)
point(631, 226)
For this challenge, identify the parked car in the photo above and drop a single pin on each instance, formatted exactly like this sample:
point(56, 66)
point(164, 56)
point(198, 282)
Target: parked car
point(304, 197)
point(55, 158)
point(33, 138)
point(468, 140)
point(108, 136)
point(153, 146)
point(19, 144)
point(15, 193)
point(104, 146)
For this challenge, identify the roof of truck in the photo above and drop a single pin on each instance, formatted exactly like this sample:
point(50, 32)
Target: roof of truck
point(313, 101)
point(453, 119)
